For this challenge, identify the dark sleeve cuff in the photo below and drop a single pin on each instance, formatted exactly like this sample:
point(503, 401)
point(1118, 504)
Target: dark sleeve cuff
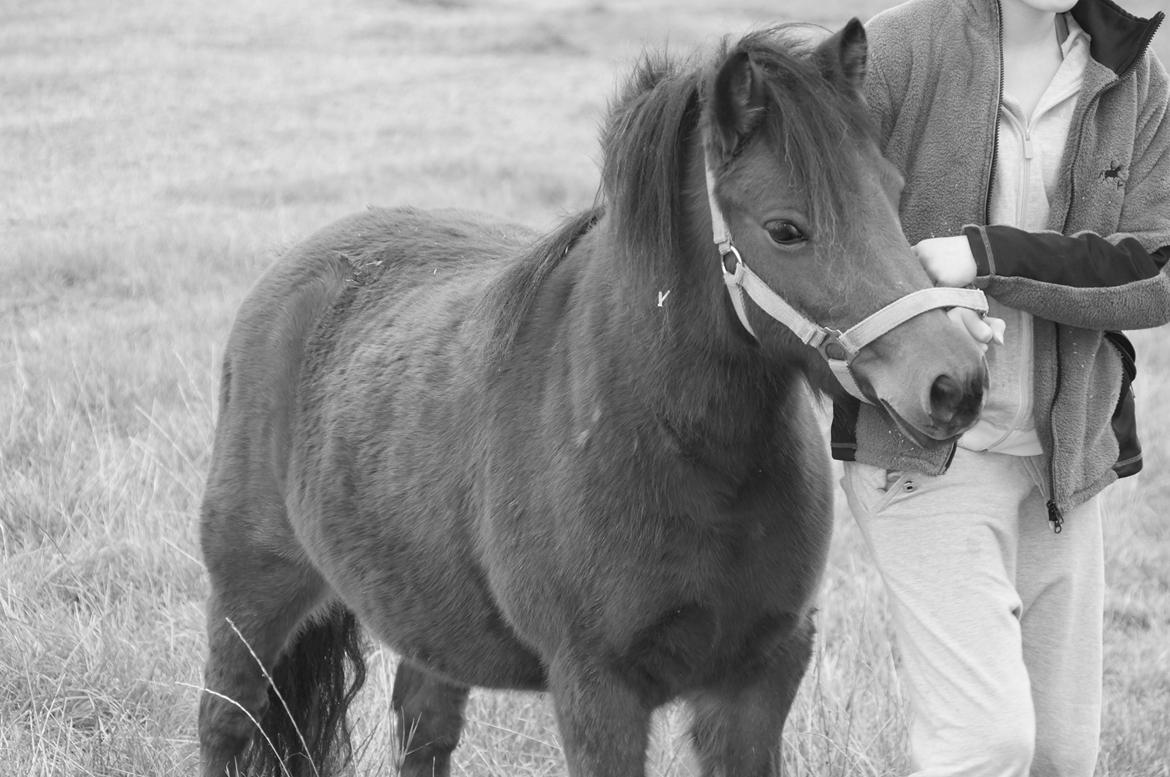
point(1084, 260)
point(981, 250)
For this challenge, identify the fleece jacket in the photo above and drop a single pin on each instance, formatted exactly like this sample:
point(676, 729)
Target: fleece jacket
point(934, 85)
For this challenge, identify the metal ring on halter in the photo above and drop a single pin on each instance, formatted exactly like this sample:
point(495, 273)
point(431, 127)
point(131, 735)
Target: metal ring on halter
point(736, 274)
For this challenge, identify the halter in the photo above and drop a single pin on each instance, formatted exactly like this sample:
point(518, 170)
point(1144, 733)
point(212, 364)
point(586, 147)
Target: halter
point(740, 280)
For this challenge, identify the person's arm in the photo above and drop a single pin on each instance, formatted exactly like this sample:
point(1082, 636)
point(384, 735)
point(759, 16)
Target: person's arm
point(1119, 281)
point(1085, 260)
point(1082, 280)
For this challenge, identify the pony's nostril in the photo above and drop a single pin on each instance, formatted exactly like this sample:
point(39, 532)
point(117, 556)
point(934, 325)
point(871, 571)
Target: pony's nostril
point(945, 396)
point(953, 405)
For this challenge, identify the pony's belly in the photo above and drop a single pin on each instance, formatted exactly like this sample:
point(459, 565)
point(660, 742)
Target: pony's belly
point(462, 639)
point(690, 648)
point(423, 598)
point(484, 663)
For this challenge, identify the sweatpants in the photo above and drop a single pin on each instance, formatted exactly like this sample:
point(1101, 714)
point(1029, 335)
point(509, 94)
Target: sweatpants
point(997, 619)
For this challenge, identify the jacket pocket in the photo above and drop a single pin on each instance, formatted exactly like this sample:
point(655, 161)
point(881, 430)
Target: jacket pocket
point(1129, 454)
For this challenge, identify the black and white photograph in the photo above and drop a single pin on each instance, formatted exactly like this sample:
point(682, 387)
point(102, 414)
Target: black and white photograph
point(584, 388)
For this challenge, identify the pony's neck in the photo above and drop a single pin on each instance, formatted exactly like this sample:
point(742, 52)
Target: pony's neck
point(665, 327)
point(656, 310)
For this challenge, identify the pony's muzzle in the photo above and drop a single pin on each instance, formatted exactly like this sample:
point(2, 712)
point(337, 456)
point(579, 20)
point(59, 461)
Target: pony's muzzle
point(955, 405)
point(929, 377)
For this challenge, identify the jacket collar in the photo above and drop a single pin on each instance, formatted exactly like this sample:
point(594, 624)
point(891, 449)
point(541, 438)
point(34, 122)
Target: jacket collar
point(1119, 39)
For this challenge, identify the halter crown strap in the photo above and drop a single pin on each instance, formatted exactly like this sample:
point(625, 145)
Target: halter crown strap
point(718, 223)
point(741, 281)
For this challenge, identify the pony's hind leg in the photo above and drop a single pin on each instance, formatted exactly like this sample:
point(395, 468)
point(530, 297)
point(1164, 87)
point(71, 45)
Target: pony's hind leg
point(256, 605)
point(430, 719)
point(281, 667)
point(737, 724)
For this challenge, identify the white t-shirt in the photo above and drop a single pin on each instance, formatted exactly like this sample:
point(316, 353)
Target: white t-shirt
point(1027, 165)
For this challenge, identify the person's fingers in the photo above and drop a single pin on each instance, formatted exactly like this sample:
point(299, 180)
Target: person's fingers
point(973, 323)
point(997, 328)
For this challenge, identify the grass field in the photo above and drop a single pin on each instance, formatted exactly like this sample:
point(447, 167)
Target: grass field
point(155, 157)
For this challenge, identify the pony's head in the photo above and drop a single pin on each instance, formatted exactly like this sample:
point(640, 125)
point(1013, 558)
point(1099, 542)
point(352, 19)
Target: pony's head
point(812, 206)
point(774, 136)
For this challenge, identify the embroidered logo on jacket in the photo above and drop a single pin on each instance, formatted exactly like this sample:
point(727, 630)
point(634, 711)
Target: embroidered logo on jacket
point(1116, 174)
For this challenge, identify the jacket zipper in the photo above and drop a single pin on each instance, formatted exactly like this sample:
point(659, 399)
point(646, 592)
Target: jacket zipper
point(1055, 516)
point(1029, 152)
point(1145, 47)
point(995, 123)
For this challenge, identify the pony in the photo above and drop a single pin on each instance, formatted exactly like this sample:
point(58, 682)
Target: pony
point(564, 463)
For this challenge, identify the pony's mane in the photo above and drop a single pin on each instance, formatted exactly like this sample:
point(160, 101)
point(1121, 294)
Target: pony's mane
point(657, 115)
point(652, 122)
point(510, 297)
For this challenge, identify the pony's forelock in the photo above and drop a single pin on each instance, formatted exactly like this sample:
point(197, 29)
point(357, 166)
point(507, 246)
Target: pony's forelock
point(815, 128)
point(657, 114)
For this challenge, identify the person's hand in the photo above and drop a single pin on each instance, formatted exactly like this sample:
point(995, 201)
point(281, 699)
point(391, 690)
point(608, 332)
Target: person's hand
point(983, 329)
point(947, 260)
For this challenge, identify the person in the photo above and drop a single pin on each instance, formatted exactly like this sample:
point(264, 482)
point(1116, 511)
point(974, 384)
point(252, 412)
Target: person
point(1034, 140)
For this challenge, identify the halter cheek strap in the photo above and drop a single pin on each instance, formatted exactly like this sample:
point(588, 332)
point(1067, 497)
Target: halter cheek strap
point(741, 282)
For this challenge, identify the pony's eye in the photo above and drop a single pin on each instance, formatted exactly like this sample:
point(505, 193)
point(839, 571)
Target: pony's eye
point(785, 233)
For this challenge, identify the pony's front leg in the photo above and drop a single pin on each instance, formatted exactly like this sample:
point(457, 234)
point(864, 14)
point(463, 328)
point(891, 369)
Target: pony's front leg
point(604, 724)
point(737, 725)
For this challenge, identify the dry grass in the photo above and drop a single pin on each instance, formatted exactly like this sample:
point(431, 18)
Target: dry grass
point(154, 157)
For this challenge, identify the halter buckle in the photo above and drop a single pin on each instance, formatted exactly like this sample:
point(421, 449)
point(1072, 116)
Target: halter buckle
point(830, 347)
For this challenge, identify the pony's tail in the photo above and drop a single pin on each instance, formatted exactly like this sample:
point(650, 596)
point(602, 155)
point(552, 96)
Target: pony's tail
point(304, 731)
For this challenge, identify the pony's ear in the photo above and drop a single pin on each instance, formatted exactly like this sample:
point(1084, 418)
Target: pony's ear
point(737, 103)
point(842, 56)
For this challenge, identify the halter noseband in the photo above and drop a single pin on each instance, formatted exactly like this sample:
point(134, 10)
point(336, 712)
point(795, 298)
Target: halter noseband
point(740, 280)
